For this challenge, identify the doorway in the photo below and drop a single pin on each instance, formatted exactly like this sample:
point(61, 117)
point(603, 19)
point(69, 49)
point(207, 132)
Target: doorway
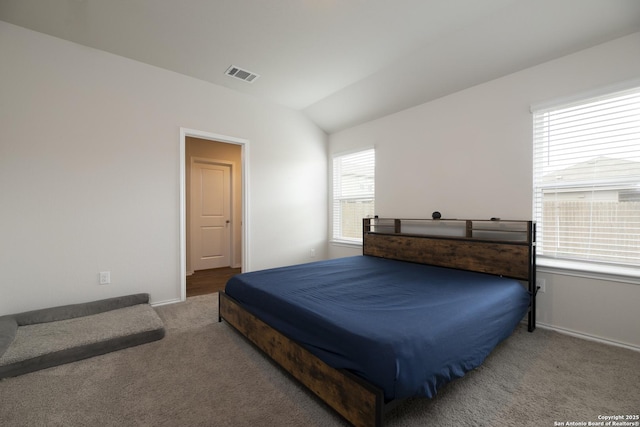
point(219, 163)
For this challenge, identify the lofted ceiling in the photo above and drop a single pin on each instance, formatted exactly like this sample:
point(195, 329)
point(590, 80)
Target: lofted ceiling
point(341, 62)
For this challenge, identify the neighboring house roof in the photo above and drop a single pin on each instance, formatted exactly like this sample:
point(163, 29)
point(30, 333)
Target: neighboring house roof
point(601, 168)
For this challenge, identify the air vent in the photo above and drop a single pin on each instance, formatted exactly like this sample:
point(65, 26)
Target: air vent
point(241, 74)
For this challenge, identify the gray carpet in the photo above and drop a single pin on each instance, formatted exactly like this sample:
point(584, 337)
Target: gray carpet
point(204, 374)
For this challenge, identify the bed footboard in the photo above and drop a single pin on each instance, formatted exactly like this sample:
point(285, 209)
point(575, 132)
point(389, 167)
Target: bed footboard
point(357, 401)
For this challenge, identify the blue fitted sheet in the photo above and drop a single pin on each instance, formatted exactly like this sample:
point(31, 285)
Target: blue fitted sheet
point(406, 328)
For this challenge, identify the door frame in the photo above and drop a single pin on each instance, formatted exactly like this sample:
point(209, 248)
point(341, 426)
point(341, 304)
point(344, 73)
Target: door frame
point(244, 144)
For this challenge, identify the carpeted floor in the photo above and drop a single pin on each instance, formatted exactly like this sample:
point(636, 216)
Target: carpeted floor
point(204, 374)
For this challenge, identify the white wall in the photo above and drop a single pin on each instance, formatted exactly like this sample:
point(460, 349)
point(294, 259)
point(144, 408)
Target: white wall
point(469, 155)
point(89, 173)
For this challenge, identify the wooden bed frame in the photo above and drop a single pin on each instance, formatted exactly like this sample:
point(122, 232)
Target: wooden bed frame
point(504, 248)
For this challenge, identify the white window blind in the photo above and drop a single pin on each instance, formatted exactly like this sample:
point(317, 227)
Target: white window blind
point(353, 194)
point(586, 178)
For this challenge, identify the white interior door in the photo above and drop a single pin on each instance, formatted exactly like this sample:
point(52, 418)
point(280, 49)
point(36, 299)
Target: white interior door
point(210, 215)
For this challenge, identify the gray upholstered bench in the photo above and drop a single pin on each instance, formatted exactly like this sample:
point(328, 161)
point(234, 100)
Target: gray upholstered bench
point(44, 338)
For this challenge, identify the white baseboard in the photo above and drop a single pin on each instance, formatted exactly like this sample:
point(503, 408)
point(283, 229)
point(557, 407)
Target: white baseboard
point(167, 302)
point(588, 337)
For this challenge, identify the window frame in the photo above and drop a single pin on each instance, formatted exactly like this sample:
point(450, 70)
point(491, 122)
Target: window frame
point(341, 240)
point(616, 272)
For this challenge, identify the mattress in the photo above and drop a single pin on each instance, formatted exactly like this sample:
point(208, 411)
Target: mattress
point(406, 328)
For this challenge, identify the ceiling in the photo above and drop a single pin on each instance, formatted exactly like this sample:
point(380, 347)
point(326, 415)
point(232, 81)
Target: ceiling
point(341, 62)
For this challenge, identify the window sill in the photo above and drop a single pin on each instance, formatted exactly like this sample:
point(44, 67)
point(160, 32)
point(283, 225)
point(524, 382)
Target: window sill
point(346, 243)
point(589, 270)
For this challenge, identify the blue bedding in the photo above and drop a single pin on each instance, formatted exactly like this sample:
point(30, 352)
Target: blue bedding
point(406, 328)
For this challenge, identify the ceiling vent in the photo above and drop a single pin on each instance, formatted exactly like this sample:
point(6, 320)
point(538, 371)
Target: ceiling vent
point(241, 74)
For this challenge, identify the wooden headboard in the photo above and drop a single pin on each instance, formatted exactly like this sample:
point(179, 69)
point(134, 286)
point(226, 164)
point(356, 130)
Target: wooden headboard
point(498, 247)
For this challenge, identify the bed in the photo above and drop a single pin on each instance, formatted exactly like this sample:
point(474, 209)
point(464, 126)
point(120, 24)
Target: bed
point(425, 303)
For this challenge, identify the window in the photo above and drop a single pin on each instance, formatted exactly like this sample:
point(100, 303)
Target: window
point(353, 194)
point(586, 178)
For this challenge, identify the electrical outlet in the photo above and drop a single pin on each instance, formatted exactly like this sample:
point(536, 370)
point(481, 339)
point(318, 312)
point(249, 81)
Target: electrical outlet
point(313, 253)
point(105, 277)
point(541, 284)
